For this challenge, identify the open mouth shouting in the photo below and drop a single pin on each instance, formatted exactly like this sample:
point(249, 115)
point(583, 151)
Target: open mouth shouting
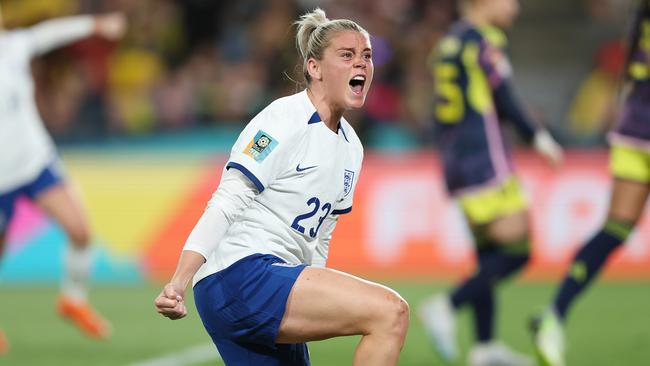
point(357, 83)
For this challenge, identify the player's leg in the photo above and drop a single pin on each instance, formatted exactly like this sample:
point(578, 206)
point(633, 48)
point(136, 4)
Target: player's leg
point(7, 202)
point(626, 206)
point(2, 242)
point(325, 303)
point(498, 220)
point(503, 252)
point(438, 313)
point(631, 169)
point(260, 310)
point(508, 254)
point(500, 223)
point(251, 354)
point(60, 202)
point(4, 345)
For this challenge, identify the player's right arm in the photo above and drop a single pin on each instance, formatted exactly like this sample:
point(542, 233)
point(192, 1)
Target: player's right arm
point(235, 193)
point(257, 156)
point(55, 33)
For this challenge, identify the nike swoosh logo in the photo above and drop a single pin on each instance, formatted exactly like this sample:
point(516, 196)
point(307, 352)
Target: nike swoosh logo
point(299, 169)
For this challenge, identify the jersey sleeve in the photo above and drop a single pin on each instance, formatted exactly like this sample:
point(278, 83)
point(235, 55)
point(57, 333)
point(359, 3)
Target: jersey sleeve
point(494, 63)
point(262, 150)
point(232, 196)
point(55, 33)
point(22, 44)
point(498, 71)
point(509, 107)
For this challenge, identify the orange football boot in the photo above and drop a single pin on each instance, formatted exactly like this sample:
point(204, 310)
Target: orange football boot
point(4, 345)
point(84, 317)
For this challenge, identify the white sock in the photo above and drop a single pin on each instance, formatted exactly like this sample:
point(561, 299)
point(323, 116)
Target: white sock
point(77, 264)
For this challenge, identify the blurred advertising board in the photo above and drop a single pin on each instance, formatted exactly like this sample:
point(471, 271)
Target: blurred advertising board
point(402, 224)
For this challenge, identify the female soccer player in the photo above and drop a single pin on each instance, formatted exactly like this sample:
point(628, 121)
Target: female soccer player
point(473, 93)
point(630, 167)
point(29, 165)
point(258, 252)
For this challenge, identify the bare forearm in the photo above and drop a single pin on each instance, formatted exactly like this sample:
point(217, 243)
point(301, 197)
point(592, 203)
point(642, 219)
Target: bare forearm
point(189, 262)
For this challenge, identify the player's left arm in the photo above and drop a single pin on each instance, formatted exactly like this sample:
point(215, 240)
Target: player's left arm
point(509, 107)
point(499, 71)
point(319, 259)
point(55, 33)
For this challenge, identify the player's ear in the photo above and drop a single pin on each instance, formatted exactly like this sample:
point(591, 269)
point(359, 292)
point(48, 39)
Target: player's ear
point(314, 69)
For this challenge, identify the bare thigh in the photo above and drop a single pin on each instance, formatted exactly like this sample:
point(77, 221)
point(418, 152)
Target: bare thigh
point(64, 206)
point(326, 303)
point(2, 243)
point(628, 200)
point(508, 229)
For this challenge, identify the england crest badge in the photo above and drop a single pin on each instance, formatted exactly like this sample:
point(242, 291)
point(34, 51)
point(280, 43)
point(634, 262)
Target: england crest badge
point(348, 179)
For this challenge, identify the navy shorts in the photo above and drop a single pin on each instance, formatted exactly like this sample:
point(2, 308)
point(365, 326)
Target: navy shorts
point(48, 178)
point(242, 306)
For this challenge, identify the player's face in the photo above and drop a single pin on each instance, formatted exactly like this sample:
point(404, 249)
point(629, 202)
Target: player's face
point(347, 69)
point(504, 12)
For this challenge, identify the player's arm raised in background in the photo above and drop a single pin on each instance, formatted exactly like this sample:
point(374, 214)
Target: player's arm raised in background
point(55, 33)
point(234, 194)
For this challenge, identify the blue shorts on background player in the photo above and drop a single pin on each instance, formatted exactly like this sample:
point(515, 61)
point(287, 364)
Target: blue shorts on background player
point(29, 166)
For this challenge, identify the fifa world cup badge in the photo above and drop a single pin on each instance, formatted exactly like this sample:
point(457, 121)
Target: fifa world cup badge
point(348, 179)
point(260, 146)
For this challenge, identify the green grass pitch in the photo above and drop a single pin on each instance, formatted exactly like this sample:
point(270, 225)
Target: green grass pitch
point(608, 326)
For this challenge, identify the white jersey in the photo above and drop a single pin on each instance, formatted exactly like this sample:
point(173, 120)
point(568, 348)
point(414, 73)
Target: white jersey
point(25, 146)
point(303, 171)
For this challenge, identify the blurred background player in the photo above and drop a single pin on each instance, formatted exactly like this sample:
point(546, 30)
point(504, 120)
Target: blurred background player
point(258, 252)
point(473, 94)
point(630, 168)
point(29, 165)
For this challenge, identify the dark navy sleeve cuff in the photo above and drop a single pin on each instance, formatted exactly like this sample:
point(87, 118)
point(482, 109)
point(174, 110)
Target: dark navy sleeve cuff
point(341, 212)
point(248, 174)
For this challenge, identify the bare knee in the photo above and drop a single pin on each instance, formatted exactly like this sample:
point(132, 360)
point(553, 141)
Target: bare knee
point(402, 313)
point(393, 317)
point(79, 236)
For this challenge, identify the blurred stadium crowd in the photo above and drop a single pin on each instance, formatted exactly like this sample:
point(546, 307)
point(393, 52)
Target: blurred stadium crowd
point(189, 63)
